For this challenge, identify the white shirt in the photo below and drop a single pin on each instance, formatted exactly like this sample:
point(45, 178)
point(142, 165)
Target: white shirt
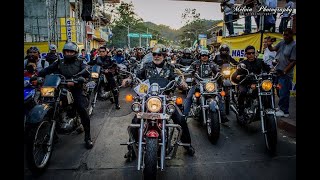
point(159, 69)
point(268, 56)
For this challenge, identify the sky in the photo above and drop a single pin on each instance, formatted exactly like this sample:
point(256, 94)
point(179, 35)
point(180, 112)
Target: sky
point(169, 12)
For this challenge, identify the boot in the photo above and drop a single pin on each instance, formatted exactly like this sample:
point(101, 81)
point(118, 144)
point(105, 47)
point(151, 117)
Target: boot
point(190, 150)
point(88, 141)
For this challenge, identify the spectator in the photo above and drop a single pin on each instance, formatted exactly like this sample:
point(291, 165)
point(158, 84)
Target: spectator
point(226, 7)
point(286, 16)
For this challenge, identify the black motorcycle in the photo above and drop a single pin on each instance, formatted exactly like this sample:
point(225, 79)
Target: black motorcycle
point(205, 106)
point(260, 105)
point(54, 113)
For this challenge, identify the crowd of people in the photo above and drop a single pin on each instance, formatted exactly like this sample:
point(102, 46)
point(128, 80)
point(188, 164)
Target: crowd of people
point(269, 23)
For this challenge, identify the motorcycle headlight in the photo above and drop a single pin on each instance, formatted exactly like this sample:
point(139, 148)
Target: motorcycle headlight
point(94, 75)
point(170, 108)
point(154, 104)
point(226, 72)
point(136, 107)
point(47, 91)
point(210, 86)
point(266, 85)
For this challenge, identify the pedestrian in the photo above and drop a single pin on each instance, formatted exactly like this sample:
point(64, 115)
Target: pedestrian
point(286, 57)
point(286, 16)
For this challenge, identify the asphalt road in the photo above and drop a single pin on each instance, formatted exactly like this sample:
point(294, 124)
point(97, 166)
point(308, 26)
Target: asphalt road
point(239, 154)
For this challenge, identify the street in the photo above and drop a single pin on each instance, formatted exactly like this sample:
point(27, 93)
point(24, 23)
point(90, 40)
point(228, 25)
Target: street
point(239, 154)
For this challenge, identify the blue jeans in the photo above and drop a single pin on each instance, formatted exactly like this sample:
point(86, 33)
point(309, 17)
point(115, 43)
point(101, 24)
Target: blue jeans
point(228, 19)
point(188, 102)
point(284, 92)
point(247, 25)
point(283, 24)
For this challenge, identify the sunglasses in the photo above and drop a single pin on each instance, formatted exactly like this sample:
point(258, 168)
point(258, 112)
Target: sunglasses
point(156, 54)
point(248, 53)
point(204, 55)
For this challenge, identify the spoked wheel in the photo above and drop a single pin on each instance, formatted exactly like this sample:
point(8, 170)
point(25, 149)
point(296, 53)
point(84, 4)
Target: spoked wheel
point(151, 158)
point(213, 129)
point(39, 148)
point(271, 133)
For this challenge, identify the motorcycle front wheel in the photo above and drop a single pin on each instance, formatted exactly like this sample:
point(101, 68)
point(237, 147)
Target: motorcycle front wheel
point(213, 129)
point(151, 158)
point(271, 133)
point(38, 149)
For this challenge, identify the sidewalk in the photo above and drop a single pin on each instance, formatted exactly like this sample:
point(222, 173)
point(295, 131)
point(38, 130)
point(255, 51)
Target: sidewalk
point(288, 124)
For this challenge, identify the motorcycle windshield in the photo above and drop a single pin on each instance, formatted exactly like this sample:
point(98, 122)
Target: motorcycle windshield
point(26, 81)
point(146, 59)
point(52, 81)
point(96, 68)
point(28, 92)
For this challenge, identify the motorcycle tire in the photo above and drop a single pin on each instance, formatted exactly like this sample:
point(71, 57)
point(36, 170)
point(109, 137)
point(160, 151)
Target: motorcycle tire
point(91, 102)
point(214, 132)
point(151, 158)
point(38, 139)
point(271, 133)
point(227, 104)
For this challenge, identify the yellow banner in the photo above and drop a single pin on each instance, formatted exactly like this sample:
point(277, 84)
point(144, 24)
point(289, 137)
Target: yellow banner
point(68, 32)
point(203, 42)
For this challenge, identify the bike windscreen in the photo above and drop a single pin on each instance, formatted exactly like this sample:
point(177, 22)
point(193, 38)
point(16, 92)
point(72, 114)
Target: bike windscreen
point(96, 68)
point(52, 81)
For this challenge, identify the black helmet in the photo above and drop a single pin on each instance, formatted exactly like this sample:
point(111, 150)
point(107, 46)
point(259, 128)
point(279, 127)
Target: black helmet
point(71, 46)
point(224, 47)
point(204, 52)
point(187, 51)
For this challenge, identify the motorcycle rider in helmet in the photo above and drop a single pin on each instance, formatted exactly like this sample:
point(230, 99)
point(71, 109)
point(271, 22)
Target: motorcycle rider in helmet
point(119, 57)
point(69, 66)
point(205, 68)
point(224, 56)
point(161, 72)
point(186, 59)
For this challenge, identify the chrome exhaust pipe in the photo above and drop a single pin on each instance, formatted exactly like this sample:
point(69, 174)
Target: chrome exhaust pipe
point(234, 109)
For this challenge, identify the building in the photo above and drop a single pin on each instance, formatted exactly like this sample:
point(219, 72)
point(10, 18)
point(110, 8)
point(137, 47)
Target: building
point(58, 21)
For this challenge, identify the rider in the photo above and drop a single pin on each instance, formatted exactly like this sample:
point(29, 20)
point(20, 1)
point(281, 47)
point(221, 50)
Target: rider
point(109, 65)
point(253, 65)
point(52, 54)
point(159, 71)
point(140, 54)
point(119, 57)
point(205, 68)
point(186, 59)
point(69, 66)
point(34, 57)
point(224, 56)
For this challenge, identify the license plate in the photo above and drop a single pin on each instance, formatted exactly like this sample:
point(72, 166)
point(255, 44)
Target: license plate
point(91, 84)
point(152, 116)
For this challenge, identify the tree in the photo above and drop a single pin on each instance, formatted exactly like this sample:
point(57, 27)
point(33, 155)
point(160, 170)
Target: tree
point(190, 15)
point(124, 17)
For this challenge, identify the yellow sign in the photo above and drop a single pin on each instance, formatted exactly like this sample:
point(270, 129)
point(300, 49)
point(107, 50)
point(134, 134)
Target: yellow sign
point(153, 43)
point(68, 29)
point(203, 42)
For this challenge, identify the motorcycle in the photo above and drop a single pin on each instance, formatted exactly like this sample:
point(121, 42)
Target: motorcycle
point(30, 98)
point(227, 86)
point(260, 105)
point(205, 106)
point(93, 87)
point(54, 113)
point(156, 132)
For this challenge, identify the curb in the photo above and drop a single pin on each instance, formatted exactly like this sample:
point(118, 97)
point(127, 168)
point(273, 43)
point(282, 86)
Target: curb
point(287, 125)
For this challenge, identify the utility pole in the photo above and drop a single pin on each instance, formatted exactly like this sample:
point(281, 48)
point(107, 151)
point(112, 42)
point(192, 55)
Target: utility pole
point(128, 37)
point(147, 37)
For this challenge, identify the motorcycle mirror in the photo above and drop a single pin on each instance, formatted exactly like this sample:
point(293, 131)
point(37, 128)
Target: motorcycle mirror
point(241, 66)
